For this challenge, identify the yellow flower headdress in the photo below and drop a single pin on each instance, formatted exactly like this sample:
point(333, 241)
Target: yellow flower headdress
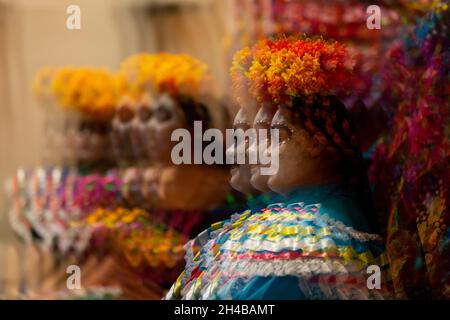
point(165, 72)
point(42, 85)
point(91, 91)
point(278, 70)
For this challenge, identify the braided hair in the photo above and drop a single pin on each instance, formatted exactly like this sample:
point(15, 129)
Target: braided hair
point(193, 110)
point(327, 122)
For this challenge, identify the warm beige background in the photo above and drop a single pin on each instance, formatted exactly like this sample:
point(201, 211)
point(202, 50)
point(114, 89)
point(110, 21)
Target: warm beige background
point(33, 34)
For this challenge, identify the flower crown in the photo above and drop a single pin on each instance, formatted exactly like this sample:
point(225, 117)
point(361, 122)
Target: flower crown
point(278, 70)
point(164, 72)
point(91, 91)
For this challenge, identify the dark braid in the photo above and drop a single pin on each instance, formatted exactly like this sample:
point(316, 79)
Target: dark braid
point(194, 111)
point(326, 120)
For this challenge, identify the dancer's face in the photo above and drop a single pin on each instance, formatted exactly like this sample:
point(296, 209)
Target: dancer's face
point(166, 116)
point(262, 123)
point(240, 174)
point(298, 163)
point(125, 113)
point(144, 109)
point(90, 143)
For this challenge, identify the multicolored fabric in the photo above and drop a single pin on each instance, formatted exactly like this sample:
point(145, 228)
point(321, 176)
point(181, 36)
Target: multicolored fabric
point(291, 250)
point(410, 168)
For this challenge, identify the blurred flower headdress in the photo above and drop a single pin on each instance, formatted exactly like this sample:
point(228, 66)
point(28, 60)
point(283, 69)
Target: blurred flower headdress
point(164, 72)
point(91, 91)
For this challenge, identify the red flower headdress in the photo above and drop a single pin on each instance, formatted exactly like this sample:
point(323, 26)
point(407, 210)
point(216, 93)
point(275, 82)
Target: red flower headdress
point(278, 70)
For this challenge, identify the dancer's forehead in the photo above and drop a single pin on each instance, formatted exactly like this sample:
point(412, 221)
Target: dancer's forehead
point(165, 100)
point(265, 114)
point(250, 109)
point(242, 118)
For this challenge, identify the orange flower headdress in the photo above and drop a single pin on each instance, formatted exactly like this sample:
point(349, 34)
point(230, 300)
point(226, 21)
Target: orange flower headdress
point(278, 70)
point(165, 72)
point(306, 74)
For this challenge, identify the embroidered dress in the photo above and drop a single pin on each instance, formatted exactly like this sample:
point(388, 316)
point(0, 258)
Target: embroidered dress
point(316, 248)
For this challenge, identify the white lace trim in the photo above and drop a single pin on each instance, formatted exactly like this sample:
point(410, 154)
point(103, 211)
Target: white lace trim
point(338, 228)
point(320, 289)
point(299, 267)
point(306, 244)
point(361, 236)
point(234, 272)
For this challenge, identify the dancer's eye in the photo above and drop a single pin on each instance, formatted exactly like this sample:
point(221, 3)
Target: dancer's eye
point(162, 114)
point(262, 130)
point(284, 132)
point(145, 114)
